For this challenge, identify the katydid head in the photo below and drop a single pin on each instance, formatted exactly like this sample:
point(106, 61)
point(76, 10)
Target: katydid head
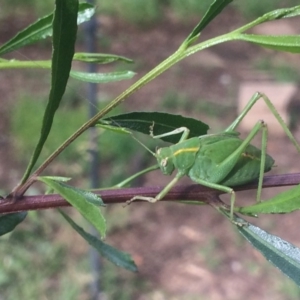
point(165, 160)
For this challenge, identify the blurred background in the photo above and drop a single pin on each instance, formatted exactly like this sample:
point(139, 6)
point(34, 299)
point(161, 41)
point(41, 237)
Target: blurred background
point(182, 252)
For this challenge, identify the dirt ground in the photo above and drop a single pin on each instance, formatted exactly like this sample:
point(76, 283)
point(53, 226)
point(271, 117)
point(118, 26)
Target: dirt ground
point(186, 252)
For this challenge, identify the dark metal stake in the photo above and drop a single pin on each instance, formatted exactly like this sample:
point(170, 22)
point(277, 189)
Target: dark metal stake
point(90, 35)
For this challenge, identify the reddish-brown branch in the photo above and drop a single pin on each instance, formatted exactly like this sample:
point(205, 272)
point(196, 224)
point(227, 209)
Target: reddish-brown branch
point(183, 193)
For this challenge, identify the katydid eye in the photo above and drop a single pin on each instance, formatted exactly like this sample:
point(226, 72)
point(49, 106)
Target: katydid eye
point(164, 162)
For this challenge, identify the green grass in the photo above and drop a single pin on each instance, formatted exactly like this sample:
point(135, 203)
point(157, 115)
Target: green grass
point(146, 13)
point(134, 11)
point(174, 101)
point(213, 263)
point(282, 72)
point(184, 10)
point(119, 284)
point(45, 259)
point(26, 8)
point(33, 267)
point(26, 122)
point(288, 288)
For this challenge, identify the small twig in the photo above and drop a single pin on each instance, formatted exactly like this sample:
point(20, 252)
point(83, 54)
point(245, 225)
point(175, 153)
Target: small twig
point(178, 193)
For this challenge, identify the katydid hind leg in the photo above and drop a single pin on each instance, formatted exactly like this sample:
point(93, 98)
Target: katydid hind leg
point(260, 125)
point(244, 112)
point(257, 96)
point(264, 139)
point(225, 167)
point(221, 207)
point(280, 121)
point(232, 127)
point(218, 187)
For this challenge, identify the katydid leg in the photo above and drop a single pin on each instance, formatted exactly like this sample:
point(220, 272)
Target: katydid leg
point(242, 115)
point(253, 100)
point(225, 166)
point(281, 122)
point(163, 192)
point(218, 187)
point(259, 126)
point(185, 133)
point(264, 139)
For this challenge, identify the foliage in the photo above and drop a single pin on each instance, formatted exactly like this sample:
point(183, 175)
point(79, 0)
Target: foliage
point(62, 26)
point(255, 8)
point(146, 12)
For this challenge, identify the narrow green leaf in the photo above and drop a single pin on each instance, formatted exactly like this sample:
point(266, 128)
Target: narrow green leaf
point(10, 221)
point(41, 29)
point(284, 202)
point(36, 31)
point(21, 64)
point(115, 129)
point(82, 194)
point(287, 43)
point(281, 13)
point(163, 122)
point(100, 58)
point(270, 16)
point(283, 255)
point(46, 64)
point(64, 37)
point(102, 77)
point(215, 8)
point(58, 178)
point(117, 257)
point(85, 12)
point(85, 202)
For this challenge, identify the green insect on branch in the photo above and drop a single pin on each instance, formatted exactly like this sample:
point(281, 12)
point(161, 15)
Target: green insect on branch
point(218, 161)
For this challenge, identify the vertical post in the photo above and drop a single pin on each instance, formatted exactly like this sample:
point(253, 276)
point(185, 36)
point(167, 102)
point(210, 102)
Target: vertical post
point(90, 40)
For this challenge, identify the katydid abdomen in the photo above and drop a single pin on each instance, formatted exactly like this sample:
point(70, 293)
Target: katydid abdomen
point(217, 161)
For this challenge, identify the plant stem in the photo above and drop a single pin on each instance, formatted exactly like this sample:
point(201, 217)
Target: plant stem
point(194, 192)
point(17, 64)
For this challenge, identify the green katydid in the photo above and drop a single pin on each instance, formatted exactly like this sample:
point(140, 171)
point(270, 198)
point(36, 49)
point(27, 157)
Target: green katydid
point(220, 161)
